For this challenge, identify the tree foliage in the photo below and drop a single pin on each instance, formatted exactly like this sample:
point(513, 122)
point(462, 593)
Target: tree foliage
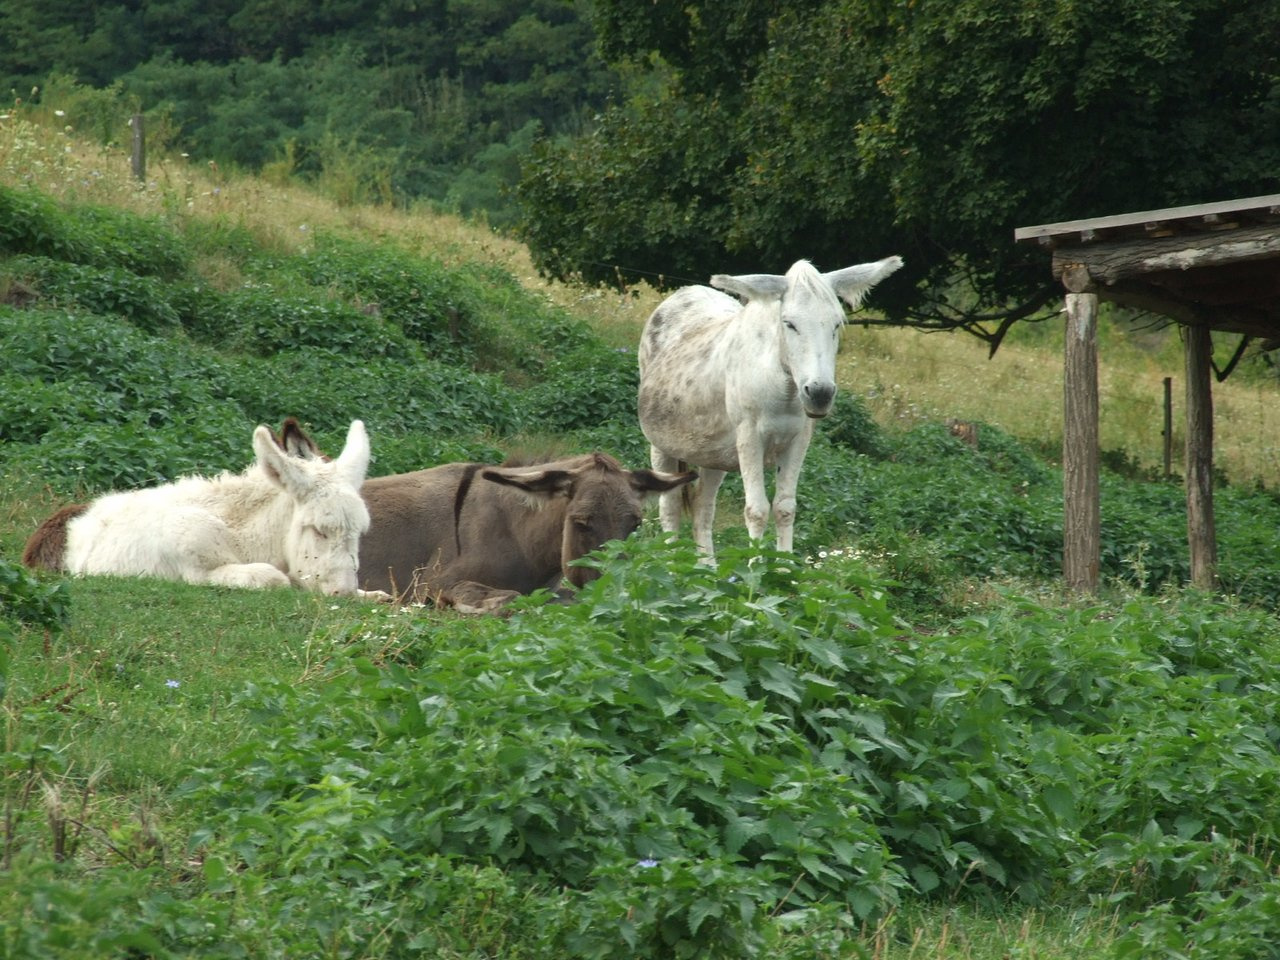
point(432, 96)
point(850, 129)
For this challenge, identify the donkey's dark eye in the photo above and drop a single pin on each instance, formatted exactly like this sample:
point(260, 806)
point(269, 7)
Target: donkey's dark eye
point(789, 325)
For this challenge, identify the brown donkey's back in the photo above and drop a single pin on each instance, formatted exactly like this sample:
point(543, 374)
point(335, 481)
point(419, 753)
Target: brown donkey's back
point(48, 545)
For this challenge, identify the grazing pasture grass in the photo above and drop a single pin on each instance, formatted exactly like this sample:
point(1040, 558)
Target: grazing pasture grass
point(907, 377)
point(965, 932)
point(145, 669)
point(904, 375)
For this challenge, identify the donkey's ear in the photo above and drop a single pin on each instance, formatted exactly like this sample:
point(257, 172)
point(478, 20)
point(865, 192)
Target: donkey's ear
point(537, 482)
point(353, 463)
point(275, 463)
point(295, 441)
point(653, 481)
point(752, 286)
point(852, 283)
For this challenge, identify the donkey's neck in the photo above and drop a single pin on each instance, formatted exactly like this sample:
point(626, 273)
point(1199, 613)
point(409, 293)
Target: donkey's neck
point(257, 512)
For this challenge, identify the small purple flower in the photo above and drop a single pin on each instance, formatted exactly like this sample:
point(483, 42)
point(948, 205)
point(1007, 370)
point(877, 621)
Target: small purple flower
point(172, 684)
point(647, 862)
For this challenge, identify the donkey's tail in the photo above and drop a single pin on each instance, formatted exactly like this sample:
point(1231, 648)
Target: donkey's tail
point(47, 547)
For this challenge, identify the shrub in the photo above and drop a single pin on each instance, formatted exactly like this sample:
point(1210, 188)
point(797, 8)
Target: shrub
point(25, 598)
point(395, 398)
point(97, 457)
point(470, 314)
point(698, 749)
point(265, 320)
point(587, 387)
point(429, 303)
point(979, 521)
point(32, 223)
point(31, 407)
point(46, 914)
point(662, 772)
point(131, 403)
point(850, 425)
point(108, 291)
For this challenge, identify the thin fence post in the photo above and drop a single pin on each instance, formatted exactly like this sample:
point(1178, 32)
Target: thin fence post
point(139, 160)
point(1168, 427)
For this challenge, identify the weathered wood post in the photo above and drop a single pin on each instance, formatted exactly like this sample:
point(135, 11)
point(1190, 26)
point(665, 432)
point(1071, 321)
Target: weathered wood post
point(1167, 432)
point(1081, 512)
point(1207, 266)
point(139, 159)
point(1201, 535)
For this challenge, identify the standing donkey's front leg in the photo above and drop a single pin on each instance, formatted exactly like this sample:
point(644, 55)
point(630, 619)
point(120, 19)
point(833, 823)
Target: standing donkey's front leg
point(755, 510)
point(785, 484)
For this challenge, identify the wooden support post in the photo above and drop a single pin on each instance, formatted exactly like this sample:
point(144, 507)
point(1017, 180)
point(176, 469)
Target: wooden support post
point(1081, 510)
point(139, 159)
point(1201, 535)
point(1167, 433)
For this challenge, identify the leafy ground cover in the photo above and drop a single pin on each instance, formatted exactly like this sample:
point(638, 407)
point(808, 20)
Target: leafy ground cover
point(689, 761)
point(900, 742)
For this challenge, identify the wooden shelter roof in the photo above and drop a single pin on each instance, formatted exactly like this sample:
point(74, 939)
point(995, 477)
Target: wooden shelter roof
point(1211, 264)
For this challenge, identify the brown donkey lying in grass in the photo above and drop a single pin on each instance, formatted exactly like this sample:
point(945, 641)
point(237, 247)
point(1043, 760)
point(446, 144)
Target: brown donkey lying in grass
point(475, 537)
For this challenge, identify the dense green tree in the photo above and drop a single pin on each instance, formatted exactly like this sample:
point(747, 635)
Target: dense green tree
point(40, 37)
point(856, 128)
point(437, 96)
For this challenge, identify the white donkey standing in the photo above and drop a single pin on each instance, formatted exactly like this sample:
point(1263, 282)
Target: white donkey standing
point(727, 386)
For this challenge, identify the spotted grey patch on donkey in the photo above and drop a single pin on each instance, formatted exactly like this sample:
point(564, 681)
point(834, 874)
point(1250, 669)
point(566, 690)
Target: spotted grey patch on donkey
point(736, 383)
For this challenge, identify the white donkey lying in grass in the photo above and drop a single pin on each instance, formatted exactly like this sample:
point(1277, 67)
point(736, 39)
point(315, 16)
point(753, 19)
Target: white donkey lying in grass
point(286, 520)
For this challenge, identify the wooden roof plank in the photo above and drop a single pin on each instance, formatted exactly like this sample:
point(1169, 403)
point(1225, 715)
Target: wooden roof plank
point(1269, 204)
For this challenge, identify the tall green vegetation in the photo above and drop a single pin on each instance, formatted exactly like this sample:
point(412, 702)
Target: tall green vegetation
point(432, 100)
point(757, 759)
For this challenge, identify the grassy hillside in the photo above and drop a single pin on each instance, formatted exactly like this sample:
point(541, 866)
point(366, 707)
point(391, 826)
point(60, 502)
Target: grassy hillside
point(901, 742)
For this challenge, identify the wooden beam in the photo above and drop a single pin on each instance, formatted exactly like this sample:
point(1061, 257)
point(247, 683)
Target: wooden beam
point(1112, 261)
point(1250, 322)
point(1081, 510)
point(1201, 534)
